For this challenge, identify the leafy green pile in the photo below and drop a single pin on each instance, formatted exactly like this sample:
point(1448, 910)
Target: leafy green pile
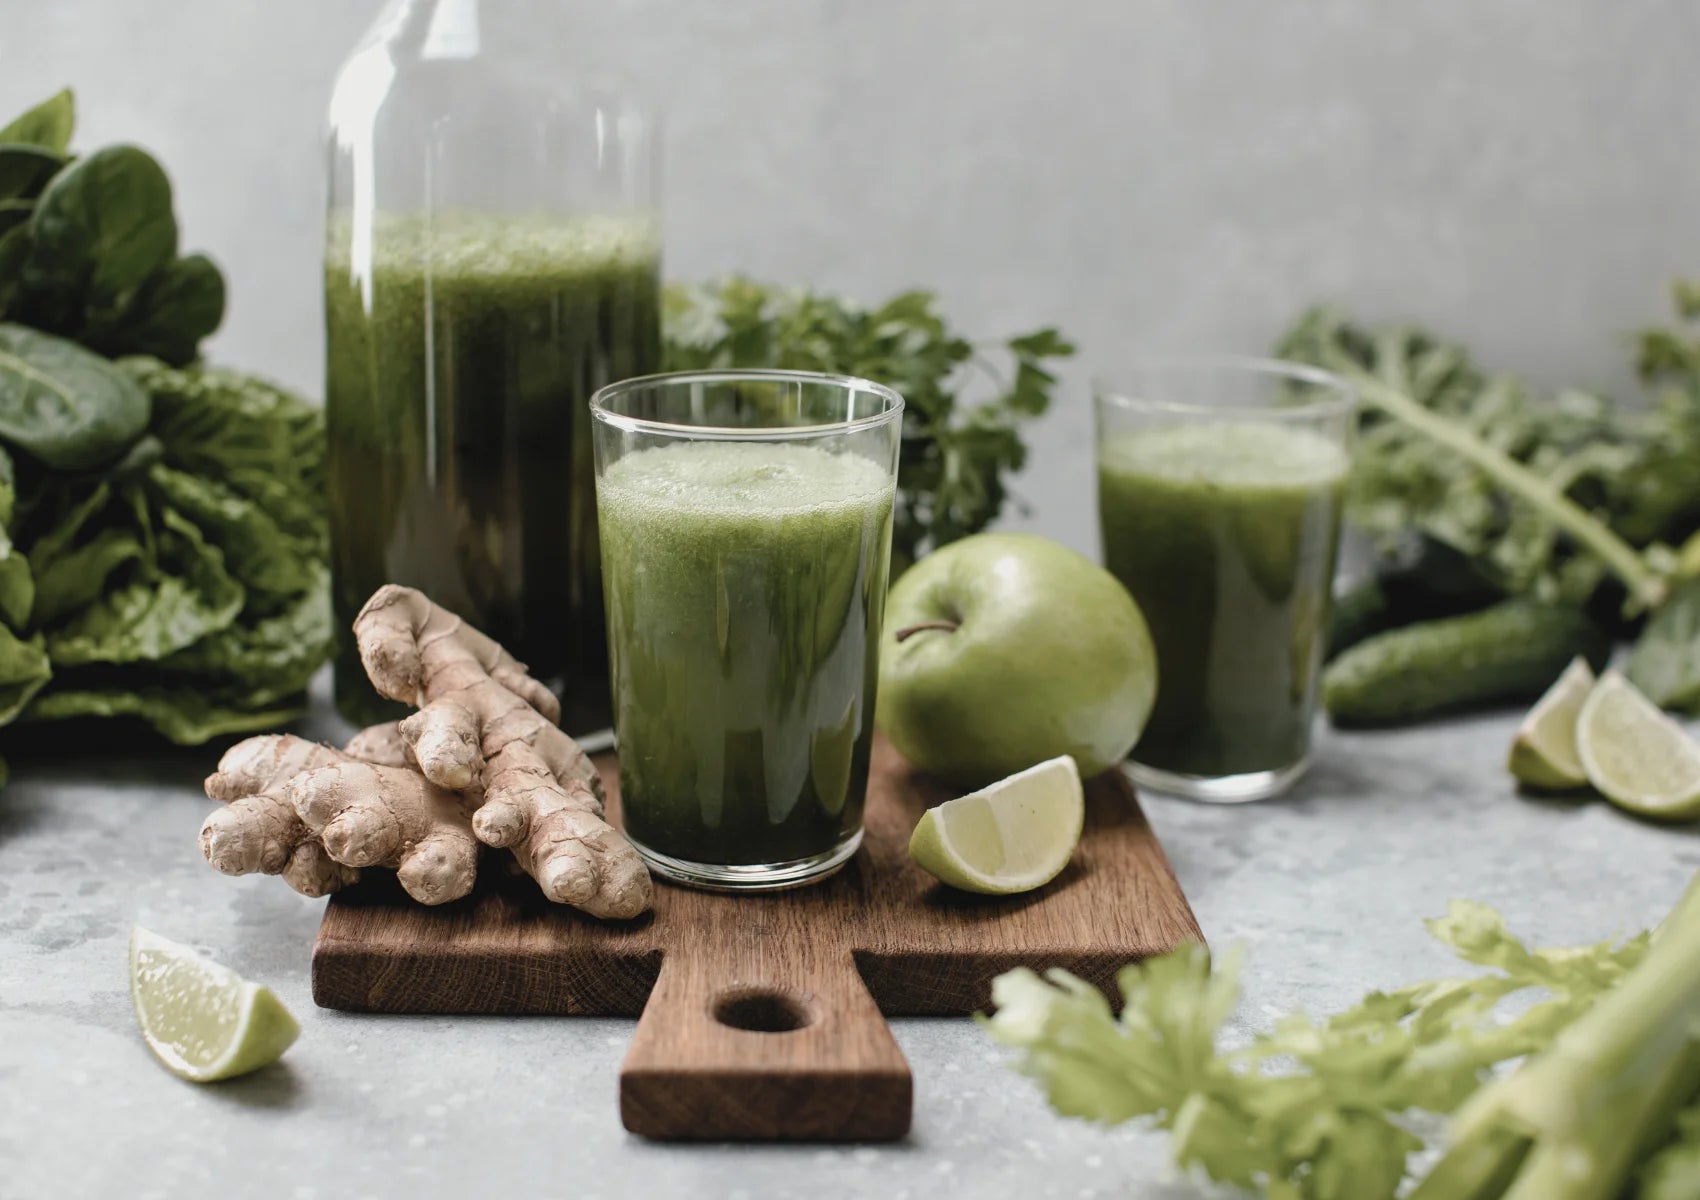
point(1324, 1110)
point(955, 457)
point(1502, 492)
point(162, 530)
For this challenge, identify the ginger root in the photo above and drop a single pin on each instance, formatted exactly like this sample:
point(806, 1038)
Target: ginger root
point(316, 816)
point(482, 761)
point(483, 720)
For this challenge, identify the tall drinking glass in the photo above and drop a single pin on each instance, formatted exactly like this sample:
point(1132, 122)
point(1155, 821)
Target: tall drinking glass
point(1220, 484)
point(746, 536)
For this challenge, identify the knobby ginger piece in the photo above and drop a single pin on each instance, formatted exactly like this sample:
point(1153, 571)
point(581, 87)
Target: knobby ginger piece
point(484, 724)
point(316, 815)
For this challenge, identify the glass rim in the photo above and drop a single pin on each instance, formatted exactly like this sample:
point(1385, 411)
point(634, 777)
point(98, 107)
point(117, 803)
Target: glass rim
point(600, 411)
point(1108, 391)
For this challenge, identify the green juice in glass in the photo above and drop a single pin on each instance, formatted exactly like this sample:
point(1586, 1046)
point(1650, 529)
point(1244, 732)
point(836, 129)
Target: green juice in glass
point(745, 587)
point(1225, 533)
point(462, 353)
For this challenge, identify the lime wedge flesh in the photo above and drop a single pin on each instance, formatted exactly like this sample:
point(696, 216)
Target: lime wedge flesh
point(1544, 754)
point(1014, 836)
point(203, 1021)
point(1639, 758)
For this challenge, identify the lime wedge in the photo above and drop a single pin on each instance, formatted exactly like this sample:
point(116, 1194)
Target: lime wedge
point(1544, 752)
point(203, 1021)
point(1639, 758)
point(1014, 836)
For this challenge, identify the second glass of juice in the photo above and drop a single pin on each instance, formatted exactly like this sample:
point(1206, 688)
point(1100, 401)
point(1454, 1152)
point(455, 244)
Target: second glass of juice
point(746, 537)
point(1220, 485)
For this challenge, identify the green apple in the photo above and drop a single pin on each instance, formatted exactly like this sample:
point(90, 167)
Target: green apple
point(1005, 649)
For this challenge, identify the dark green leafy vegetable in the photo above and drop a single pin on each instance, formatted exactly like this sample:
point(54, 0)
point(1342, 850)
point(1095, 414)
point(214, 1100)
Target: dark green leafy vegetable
point(24, 171)
point(24, 671)
point(1563, 458)
point(48, 125)
point(162, 527)
point(1567, 500)
point(182, 303)
point(174, 591)
point(956, 456)
point(101, 230)
point(88, 247)
point(65, 405)
point(1665, 663)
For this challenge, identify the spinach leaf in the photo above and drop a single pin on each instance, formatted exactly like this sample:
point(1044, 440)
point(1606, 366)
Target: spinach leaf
point(14, 249)
point(48, 125)
point(70, 408)
point(1665, 663)
point(25, 170)
point(179, 306)
point(14, 213)
point(100, 231)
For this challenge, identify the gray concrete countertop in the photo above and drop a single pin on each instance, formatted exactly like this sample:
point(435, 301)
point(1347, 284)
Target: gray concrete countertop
point(1327, 887)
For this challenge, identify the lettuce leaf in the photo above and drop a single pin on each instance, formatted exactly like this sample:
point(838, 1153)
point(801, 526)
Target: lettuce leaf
point(186, 714)
point(171, 593)
point(248, 436)
point(186, 585)
point(24, 671)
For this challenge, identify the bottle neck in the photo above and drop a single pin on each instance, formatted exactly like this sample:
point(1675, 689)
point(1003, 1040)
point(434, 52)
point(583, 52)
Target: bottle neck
point(445, 30)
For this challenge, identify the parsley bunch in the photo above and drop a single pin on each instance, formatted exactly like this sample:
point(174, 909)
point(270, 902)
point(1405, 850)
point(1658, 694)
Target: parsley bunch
point(964, 402)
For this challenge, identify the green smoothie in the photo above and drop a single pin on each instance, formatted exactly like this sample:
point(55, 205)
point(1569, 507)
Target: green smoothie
point(1225, 533)
point(462, 353)
point(745, 585)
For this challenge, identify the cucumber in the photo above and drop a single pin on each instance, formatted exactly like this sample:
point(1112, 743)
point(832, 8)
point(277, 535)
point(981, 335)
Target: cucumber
point(1419, 579)
point(1360, 612)
point(1510, 651)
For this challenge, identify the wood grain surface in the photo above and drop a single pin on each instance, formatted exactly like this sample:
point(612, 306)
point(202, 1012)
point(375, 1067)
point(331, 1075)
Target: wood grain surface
point(761, 1014)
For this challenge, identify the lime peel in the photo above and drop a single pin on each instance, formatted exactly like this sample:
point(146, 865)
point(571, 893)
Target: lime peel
point(1013, 836)
point(203, 1021)
point(1544, 753)
point(1639, 758)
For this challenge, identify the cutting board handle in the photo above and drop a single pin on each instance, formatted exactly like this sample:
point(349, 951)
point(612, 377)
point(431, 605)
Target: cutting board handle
point(775, 1038)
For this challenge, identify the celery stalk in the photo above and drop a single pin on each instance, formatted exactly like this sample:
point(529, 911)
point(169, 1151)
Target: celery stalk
point(1604, 1093)
point(1478, 1169)
point(1597, 1164)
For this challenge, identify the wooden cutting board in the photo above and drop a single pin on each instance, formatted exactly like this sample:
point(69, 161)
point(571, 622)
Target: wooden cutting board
point(760, 1015)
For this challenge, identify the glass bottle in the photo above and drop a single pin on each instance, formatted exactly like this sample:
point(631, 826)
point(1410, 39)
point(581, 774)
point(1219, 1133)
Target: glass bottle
point(492, 257)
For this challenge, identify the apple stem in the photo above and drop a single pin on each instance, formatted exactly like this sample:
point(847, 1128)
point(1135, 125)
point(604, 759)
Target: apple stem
point(903, 635)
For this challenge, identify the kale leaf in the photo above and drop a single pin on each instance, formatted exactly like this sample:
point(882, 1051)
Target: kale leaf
point(1637, 474)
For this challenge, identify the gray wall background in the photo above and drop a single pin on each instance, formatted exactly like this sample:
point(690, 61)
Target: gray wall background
point(1146, 174)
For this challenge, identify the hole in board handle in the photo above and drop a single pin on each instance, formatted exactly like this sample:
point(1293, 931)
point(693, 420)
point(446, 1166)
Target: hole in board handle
point(761, 1010)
